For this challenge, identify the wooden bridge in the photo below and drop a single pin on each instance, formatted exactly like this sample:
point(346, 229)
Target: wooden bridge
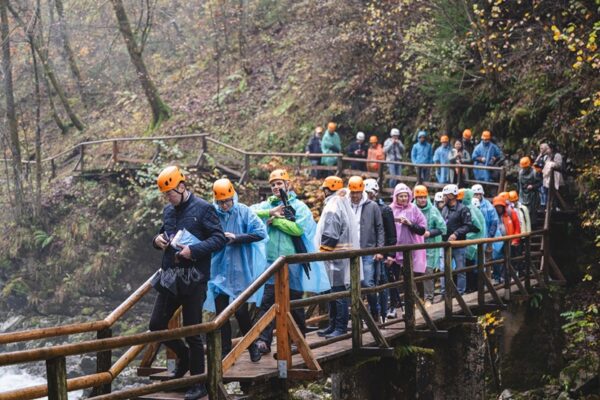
point(314, 355)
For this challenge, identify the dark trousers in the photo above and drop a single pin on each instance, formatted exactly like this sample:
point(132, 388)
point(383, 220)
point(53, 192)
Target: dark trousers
point(243, 318)
point(339, 313)
point(394, 275)
point(267, 301)
point(164, 308)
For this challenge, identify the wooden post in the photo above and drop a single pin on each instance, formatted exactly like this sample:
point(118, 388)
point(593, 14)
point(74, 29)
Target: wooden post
point(340, 165)
point(409, 293)
point(282, 299)
point(355, 303)
point(480, 275)
point(103, 362)
point(81, 157)
point(506, 271)
point(115, 152)
point(380, 177)
point(215, 368)
point(53, 167)
point(528, 263)
point(448, 277)
point(502, 180)
point(56, 371)
point(546, 255)
point(246, 172)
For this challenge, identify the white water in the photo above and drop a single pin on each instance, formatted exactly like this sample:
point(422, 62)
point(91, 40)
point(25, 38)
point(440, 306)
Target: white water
point(12, 378)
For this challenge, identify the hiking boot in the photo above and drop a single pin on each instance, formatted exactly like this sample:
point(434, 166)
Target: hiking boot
point(255, 354)
point(335, 333)
point(183, 366)
point(263, 348)
point(196, 392)
point(392, 313)
point(326, 331)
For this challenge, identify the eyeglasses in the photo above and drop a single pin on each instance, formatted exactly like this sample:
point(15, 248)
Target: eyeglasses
point(224, 202)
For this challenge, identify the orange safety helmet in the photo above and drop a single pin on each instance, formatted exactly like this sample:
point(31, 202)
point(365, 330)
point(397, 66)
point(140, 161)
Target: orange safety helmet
point(223, 189)
point(525, 162)
point(333, 183)
point(461, 194)
point(499, 201)
point(331, 126)
point(513, 196)
point(444, 139)
point(279, 174)
point(169, 178)
point(486, 135)
point(467, 134)
point(420, 191)
point(373, 139)
point(503, 196)
point(356, 184)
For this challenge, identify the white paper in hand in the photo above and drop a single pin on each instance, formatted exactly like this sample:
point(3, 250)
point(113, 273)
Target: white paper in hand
point(184, 238)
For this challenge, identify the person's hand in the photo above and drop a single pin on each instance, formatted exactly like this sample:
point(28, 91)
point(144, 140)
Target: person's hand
point(185, 252)
point(481, 159)
point(276, 211)
point(404, 221)
point(452, 237)
point(378, 257)
point(493, 160)
point(230, 236)
point(161, 242)
point(389, 261)
point(426, 234)
point(342, 192)
point(529, 187)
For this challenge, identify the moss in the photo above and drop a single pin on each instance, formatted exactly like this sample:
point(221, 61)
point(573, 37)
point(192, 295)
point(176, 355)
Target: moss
point(16, 287)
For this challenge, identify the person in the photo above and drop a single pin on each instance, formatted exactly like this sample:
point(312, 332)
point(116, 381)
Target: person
point(438, 199)
point(385, 269)
point(507, 225)
point(436, 227)
point(422, 153)
point(458, 224)
point(411, 225)
point(314, 147)
point(459, 156)
point(283, 225)
point(552, 162)
point(486, 153)
point(467, 142)
point(530, 183)
point(237, 265)
point(478, 231)
point(185, 270)
point(522, 211)
point(394, 150)
point(358, 149)
point(330, 144)
point(441, 156)
point(489, 214)
point(336, 230)
point(367, 216)
point(375, 153)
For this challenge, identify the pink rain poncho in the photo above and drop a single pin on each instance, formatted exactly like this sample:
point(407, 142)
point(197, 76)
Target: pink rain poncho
point(403, 233)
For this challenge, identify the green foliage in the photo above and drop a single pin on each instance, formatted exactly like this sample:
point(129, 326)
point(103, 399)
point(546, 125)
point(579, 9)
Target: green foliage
point(581, 326)
point(407, 350)
point(42, 239)
point(16, 287)
point(535, 300)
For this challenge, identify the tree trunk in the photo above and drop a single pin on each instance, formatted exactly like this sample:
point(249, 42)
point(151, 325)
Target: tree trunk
point(68, 51)
point(38, 128)
point(11, 113)
point(160, 111)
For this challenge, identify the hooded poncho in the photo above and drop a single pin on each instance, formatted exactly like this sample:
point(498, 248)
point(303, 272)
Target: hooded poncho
point(403, 234)
point(478, 221)
point(434, 221)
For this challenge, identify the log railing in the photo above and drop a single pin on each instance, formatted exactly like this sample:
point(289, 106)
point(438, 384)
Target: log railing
point(286, 329)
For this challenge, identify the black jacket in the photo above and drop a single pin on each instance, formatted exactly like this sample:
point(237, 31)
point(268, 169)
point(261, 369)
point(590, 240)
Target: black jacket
point(458, 221)
point(314, 145)
point(350, 152)
point(389, 226)
point(200, 219)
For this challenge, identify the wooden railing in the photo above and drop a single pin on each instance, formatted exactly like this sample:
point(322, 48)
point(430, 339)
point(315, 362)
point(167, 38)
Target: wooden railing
point(286, 329)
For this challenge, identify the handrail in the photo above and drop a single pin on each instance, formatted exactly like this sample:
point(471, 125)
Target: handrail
point(410, 164)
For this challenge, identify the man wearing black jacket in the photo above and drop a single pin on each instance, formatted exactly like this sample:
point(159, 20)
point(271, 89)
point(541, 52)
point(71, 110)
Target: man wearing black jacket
point(458, 224)
point(185, 270)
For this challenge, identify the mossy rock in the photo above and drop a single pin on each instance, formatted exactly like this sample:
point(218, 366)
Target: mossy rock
point(87, 311)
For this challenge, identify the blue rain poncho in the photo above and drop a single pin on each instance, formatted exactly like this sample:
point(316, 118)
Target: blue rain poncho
point(441, 156)
point(488, 151)
point(280, 243)
point(237, 265)
point(490, 215)
point(478, 221)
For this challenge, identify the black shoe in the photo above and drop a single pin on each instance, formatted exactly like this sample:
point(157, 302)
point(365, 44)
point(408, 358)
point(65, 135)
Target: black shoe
point(183, 366)
point(196, 392)
point(334, 334)
point(255, 355)
point(326, 331)
point(263, 347)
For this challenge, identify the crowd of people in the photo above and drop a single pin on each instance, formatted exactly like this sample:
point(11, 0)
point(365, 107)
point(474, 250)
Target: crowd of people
point(213, 251)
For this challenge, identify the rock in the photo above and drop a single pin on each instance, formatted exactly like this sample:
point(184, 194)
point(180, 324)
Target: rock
point(304, 394)
point(88, 365)
point(505, 395)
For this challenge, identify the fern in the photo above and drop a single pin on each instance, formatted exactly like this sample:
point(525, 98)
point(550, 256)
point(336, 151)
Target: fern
point(42, 239)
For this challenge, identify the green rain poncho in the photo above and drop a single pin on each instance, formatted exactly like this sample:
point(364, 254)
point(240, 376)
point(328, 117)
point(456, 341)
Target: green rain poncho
point(330, 143)
point(434, 221)
point(478, 221)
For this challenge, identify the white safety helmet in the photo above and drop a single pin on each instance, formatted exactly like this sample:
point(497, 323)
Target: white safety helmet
point(450, 189)
point(360, 136)
point(371, 185)
point(395, 132)
point(475, 201)
point(439, 196)
point(477, 189)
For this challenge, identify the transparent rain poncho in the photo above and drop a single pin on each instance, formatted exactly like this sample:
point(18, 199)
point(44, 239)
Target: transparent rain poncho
point(337, 230)
point(478, 221)
point(237, 265)
point(318, 281)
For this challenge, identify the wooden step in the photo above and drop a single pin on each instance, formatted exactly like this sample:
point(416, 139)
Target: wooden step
point(166, 396)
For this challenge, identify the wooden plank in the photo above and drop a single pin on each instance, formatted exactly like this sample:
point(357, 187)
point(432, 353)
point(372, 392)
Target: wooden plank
point(56, 372)
point(355, 303)
point(366, 315)
point(215, 370)
point(516, 279)
point(409, 294)
point(480, 274)
point(303, 348)
point(448, 278)
point(149, 356)
point(103, 362)
point(493, 291)
point(461, 302)
point(424, 312)
point(556, 270)
point(282, 298)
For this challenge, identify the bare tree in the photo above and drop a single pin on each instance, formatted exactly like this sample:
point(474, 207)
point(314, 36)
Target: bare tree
point(10, 111)
point(38, 104)
point(160, 111)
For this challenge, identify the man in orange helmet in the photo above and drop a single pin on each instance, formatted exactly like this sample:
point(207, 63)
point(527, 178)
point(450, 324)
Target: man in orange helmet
point(529, 188)
point(486, 153)
point(185, 271)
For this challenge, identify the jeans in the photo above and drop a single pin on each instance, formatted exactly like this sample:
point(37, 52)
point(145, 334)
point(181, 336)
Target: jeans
point(428, 285)
point(369, 281)
point(164, 308)
point(423, 174)
point(394, 169)
point(267, 301)
point(394, 275)
point(243, 318)
point(458, 258)
point(339, 313)
point(381, 277)
point(543, 196)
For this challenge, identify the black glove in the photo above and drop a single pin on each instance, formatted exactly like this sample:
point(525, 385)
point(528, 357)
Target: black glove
point(289, 213)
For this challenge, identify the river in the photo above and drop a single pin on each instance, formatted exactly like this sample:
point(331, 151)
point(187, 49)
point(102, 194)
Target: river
point(12, 378)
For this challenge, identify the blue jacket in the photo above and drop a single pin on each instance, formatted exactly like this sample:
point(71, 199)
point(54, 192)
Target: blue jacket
point(441, 156)
point(490, 216)
point(422, 153)
point(487, 151)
